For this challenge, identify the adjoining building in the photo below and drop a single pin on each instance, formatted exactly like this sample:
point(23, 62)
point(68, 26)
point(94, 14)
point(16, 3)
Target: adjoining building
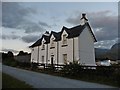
point(68, 45)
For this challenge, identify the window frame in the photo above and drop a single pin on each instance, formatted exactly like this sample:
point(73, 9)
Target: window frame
point(64, 40)
point(52, 44)
point(43, 46)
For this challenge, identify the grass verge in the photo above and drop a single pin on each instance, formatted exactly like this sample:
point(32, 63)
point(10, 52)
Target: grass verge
point(11, 82)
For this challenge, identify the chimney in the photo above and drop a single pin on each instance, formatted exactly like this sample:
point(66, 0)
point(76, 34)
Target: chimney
point(84, 16)
point(83, 19)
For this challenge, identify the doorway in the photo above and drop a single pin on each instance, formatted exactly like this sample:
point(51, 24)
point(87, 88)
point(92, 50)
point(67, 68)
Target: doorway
point(52, 59)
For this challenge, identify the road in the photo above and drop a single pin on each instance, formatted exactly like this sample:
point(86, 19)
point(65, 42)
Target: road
point(40, 80)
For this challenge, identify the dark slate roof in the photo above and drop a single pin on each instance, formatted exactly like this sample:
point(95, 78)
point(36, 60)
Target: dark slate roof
point(72, 32)
point(57, 35)
point(75, 31)
point(47, 38)
point(38, 42)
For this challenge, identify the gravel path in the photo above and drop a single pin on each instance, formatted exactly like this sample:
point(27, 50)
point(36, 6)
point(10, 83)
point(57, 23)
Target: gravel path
point(39, 80)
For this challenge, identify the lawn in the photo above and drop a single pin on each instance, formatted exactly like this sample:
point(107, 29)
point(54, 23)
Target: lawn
point(11, 82)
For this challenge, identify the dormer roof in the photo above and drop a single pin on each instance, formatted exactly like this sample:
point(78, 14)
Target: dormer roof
point(57, 35)
point(39, 41)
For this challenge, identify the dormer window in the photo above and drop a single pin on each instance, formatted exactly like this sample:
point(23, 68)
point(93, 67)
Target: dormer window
point(43, 46)
point(52, 43)
point(64, 39)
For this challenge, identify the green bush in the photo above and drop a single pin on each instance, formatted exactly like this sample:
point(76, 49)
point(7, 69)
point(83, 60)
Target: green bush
point(73, 69)
point(10, 62)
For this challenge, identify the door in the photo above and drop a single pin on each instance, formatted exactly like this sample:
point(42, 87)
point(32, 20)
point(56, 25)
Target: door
point(52, 58)
point(65, 58)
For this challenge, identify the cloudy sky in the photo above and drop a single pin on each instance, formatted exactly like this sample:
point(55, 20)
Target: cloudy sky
point(24, 22)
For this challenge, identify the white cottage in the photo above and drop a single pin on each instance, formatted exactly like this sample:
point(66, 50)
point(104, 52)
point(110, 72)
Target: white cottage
point(68, 45)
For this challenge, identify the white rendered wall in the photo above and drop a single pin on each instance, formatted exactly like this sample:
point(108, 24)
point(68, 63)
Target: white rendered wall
point(86, 48)
point(42, 53)
point(34, 55)
point(76, 50)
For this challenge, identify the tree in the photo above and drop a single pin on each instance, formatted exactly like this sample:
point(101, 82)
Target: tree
point(22, 53)
point(4, 56)
point(10, 54)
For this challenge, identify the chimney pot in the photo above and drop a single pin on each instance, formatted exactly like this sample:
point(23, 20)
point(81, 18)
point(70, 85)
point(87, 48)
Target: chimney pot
point(83, 19)
point(84, 15)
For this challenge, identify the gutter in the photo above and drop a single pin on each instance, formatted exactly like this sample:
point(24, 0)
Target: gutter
point(73, 49)
point(57, 52)
point(47, 55)
point(38, 55)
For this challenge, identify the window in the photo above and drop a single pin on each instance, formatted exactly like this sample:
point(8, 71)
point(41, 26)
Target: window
point(43, 47)
point(64, 39)
point(65, 58)
point(32, 49)
point(42, 59)
point(52, 43)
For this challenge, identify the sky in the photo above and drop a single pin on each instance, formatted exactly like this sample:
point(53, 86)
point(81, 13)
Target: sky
point(24, 22)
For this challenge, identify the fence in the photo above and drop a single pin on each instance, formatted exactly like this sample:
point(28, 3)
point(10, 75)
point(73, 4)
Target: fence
point(60, 66)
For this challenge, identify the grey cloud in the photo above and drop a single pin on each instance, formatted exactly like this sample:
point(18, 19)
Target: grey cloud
point(4, 36)
point(30, 27)
point(108, 24)
point(0, 14)
point(55, 18)
point(30, 38)
point(73, 21)
point(105, 44)
point(12, 14)
point(44, 24)
point(14, 17)
point(12, 50)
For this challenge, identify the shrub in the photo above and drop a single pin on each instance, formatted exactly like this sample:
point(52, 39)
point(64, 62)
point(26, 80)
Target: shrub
point(100, 74)
point(73, 69)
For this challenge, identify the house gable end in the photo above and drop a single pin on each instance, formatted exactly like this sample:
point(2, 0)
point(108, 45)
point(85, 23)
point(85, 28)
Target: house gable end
point(91, 31)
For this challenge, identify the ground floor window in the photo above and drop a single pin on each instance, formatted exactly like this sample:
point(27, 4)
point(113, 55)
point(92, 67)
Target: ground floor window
point(65, 58)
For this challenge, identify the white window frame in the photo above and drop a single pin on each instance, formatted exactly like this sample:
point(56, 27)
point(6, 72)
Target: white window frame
point(64, 39)
point(52, 43)
point(43, 46)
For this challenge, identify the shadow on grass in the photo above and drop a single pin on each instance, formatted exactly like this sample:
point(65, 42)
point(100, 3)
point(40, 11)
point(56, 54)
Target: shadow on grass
point(11, 82)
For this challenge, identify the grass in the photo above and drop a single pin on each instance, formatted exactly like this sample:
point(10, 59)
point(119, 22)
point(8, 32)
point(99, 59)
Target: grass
point(11, 82)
